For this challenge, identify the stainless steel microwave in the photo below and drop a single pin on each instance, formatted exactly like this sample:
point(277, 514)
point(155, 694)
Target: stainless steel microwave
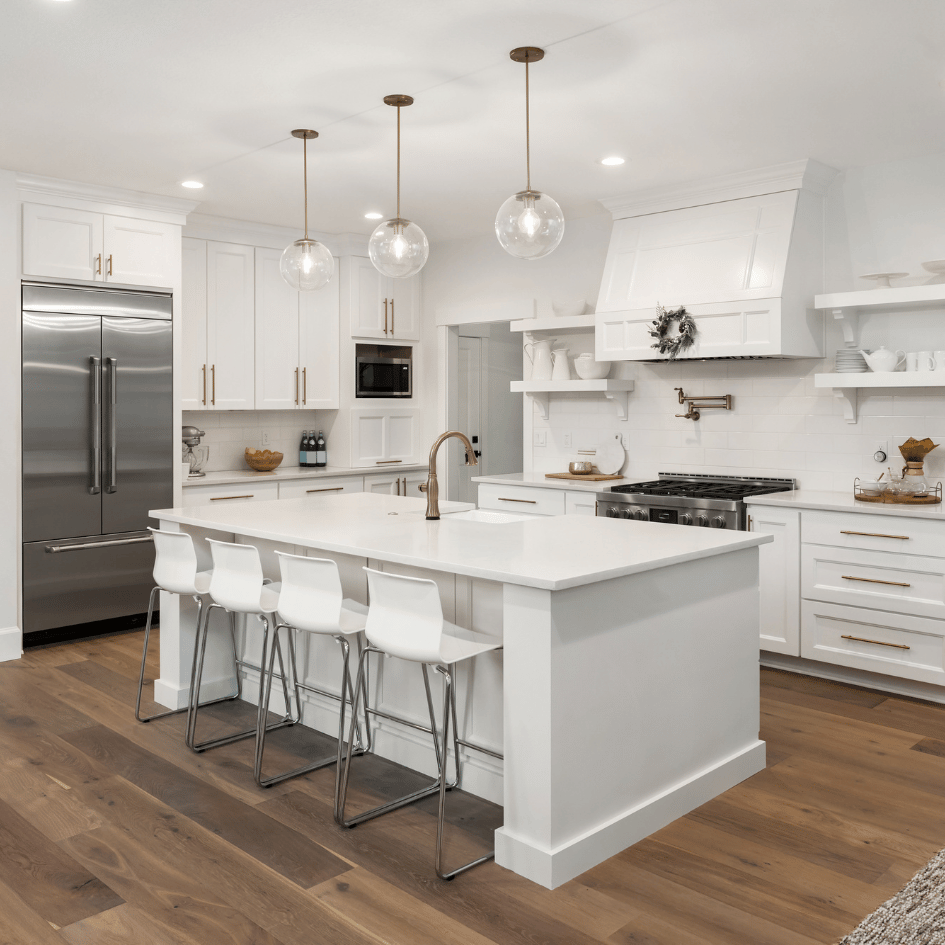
point(379, 375)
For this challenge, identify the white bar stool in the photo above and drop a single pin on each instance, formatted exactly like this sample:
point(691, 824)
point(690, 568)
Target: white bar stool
point(311, 600)
point(237, 586)
point(175, 572)
point(405, 620)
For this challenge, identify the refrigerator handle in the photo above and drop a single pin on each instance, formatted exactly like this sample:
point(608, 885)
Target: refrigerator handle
point(95, 436)
point(112, 484)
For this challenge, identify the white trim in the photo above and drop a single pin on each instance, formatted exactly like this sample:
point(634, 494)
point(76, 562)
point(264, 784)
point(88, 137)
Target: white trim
point(11, 644)
point(502, 310)
point(79, 196)
point(796, 175)
point(551, 867)
point(177, 697)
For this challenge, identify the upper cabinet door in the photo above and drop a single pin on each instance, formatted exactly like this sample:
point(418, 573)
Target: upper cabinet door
point(368, 299)
point(278, 372)
point(195, 378)
point(319, 314)
point(404, 308)
point(230, 326)
point(140, 252)
point(61, 242)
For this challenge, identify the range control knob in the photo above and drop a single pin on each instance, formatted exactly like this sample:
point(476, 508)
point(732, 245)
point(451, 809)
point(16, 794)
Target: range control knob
point(640, 515)
point(718, 522)
point(702, 521)
point(613, 512)
point(685, 519)
point(626, 513)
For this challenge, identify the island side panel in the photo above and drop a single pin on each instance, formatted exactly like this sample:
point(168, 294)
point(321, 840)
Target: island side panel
point(627, 703)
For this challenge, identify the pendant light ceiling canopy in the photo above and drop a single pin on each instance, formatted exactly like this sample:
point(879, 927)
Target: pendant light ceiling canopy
point(529, 224)
point(306, 264)
point(398, 248)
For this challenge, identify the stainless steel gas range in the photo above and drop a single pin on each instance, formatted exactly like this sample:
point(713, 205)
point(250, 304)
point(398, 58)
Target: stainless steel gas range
point(688, 499)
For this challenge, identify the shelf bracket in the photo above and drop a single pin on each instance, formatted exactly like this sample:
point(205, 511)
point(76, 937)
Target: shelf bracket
point(621, 400)
point(540, 399)
point(849, 322)
point(848, 401)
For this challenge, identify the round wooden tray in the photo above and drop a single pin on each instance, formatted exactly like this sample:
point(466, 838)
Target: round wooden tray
point(899, 499)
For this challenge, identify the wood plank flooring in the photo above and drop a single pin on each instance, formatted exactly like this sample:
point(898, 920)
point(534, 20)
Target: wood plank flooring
point(113, 832)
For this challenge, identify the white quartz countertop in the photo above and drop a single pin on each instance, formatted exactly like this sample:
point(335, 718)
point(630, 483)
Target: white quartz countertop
point(844, 502)
point(540, 482)
point(549, 552)
point(284, 473)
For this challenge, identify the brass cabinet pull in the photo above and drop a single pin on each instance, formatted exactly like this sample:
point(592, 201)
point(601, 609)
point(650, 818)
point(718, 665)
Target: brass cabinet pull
point(847, 577)
point(391, 316)
point(213, 384)
point(526, 501)
point(110, 264)
point(387, 462)
point(327, 489)
point(304, 388)
point(98, 264)
point(877, 535)
point(587, 452)
point(405, 486)
point(385, 316)
point(204, 370)
point(749, 523)
point(898, 646)
point(296, 387)
point(223, 498)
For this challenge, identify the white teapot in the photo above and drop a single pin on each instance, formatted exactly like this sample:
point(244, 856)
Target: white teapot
point(882, 359)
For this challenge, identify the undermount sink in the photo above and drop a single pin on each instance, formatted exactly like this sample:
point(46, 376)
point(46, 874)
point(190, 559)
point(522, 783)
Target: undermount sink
point(485, 516)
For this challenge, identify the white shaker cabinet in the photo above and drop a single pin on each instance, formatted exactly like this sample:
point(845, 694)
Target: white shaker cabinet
point(385, 436)
point(378, 306)
point(81, 244)
point(193, 380)
point(296, 341)
point(395, 483)
point(779, 577)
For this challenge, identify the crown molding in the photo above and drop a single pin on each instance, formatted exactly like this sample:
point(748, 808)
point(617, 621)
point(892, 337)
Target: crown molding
point(82, 196)
point(807, 175)
point(227, 230)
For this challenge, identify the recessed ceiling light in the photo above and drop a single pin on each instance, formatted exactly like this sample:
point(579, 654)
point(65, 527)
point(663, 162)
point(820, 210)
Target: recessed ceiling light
point(373, 216)
point(612, 161)
point(191, 184)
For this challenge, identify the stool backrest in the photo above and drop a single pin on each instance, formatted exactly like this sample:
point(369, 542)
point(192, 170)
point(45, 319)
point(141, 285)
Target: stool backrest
point(175, 561)
point(311, 595)
point(405, 617)
point(237, 578)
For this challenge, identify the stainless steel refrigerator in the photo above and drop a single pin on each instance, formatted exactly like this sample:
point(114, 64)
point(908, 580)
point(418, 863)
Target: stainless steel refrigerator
point(98, 453)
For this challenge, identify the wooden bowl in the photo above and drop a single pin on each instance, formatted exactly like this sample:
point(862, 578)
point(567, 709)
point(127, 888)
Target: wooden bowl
point(262, 460)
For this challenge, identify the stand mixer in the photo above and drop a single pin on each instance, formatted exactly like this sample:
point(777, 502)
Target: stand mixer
point(194, 454)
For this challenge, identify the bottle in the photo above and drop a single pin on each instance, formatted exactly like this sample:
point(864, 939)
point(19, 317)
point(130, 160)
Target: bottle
point(310, 448)
point(303, 446)
point(321, 450)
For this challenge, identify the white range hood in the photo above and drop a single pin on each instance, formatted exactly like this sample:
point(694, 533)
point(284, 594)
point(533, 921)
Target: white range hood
point(744, 254)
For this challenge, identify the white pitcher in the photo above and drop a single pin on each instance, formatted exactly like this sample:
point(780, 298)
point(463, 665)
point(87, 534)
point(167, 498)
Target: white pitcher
point(561, 370)
point(540, 356)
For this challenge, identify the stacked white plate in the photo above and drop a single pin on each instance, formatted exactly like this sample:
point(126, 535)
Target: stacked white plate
point(850, 361)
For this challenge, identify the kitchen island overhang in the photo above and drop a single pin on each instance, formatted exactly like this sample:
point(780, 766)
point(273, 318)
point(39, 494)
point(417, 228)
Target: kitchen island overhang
point(629, 676)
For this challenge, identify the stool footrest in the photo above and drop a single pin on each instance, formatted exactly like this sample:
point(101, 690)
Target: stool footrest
point(392, 805)
point(238, 736)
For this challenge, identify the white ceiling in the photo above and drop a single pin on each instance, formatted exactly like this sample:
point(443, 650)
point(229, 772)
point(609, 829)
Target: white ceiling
point(143, 95)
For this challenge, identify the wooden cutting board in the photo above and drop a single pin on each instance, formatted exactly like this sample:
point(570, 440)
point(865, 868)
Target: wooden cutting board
point(585, 477)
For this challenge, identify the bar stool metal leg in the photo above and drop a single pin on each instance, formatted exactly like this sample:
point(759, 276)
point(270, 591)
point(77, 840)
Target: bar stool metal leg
point(144, 660)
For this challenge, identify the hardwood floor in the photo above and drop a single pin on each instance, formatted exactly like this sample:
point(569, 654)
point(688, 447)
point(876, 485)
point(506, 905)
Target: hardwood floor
point(113, 832)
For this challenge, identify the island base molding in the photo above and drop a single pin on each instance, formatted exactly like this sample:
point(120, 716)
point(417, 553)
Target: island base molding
point(11, 644)
point(551, 868)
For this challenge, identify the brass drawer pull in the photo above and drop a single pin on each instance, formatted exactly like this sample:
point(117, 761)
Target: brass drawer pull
point(110, 264)
point(387, 462)
point(205, 385)
point(326, 489)
point(898, 646)
point(304, 387)
point(847, 577)
point(296, 387)
point(877, 535)
point(223, 498)
point(587, 452)
point(385, 316)
point(526, 501)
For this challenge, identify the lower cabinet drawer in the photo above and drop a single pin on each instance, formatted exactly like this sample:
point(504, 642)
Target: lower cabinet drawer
point(298, 488)
point(230, 492)
point(580, 503)
point(893, 644)
point(874, 532)
point(900, 583)
point(521, 499)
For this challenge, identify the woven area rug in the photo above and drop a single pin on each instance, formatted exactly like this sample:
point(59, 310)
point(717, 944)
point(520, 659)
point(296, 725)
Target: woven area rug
point(914, 916)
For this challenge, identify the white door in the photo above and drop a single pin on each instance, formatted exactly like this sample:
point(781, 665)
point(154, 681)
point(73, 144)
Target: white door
point(278, 374)
point(61, 242)
point(404, 295)
point(470, 420)
point(230, 325)
point(140, 252)
point(384, 485)
point(319, 354)
point(194, 367)
point(384, 436)
point(779, 578)
point(368, 299)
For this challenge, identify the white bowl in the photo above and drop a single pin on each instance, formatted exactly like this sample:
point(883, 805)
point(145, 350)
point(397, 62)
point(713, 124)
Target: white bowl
point(871, 487)
point(590, 370)
point(566, 309)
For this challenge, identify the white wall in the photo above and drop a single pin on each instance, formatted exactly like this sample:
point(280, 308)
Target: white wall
point(886, 217)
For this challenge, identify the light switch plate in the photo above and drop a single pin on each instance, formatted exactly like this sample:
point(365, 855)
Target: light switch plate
point(567, 441)
point(539, 437)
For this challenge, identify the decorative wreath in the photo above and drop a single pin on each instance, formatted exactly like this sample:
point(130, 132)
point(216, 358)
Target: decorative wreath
point(685, 333)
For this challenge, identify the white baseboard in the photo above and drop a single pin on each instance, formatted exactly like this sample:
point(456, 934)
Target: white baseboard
point(177, 697)
point(551, 867)
point(11, 644)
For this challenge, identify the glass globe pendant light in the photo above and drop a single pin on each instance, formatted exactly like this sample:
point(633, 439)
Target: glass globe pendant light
point(398, 248)
point(529, 224)
point(306, 264)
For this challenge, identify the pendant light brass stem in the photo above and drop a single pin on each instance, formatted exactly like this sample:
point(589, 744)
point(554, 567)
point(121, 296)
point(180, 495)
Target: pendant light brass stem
point(305, 134)
point(527, 54)
point(399, 102)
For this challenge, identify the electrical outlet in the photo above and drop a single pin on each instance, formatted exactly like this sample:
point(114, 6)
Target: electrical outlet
point(539, 438)
point(625, 440)
point(265, 437)
point(567, 441)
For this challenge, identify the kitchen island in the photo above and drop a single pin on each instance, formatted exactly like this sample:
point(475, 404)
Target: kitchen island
point(627, 690)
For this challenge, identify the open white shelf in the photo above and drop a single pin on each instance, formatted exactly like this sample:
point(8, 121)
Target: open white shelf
point(615, 389)
point(571, 323)
point(846, 307)
point(845, 386)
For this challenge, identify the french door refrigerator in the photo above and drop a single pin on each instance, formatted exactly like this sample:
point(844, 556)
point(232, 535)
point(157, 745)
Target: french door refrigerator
point(98, 453)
